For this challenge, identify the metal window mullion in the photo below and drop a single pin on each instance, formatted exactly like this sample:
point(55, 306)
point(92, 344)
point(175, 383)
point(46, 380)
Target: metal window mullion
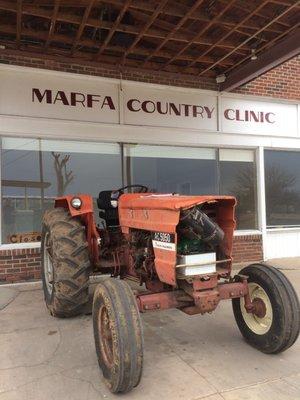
point(123, 164)
point(1, 201)
point(261, 196)
point(218, 171)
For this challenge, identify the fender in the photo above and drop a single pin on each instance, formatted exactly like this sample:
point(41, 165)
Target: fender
point(86, 214)
point(65, 202)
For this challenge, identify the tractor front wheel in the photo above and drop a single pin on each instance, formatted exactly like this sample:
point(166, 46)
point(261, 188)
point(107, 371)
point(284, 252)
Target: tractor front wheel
point(118, 335)
point(274, 325)
point(65, 263)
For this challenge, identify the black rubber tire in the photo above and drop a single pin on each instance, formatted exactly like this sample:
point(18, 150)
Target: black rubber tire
point(285, 327)
point(125, 370)
point(71, 265)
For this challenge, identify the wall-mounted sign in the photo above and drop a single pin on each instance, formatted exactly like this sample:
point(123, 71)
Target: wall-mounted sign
point(170, 108)
point(51, 96)
point(25, 237)
point(89, 99)
point(258, 117)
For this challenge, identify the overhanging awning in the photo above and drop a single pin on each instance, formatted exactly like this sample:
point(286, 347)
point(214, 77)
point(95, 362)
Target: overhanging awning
point(202, 38)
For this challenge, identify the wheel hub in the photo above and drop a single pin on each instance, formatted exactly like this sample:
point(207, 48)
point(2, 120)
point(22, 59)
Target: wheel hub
point(259, 307)
point(260, 319)
point(106, 340)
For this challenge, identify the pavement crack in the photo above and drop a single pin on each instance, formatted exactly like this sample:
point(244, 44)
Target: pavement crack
point(43, 363)
point(287, 269)
point(289, 383)
point(185, 362)
point(210, 396)
point(27, 383)
point(220, 393)
point(83, 380)
point(3, 307)
point(56, 348)
point(263, 382)
point(24, 366)
point(17, 330)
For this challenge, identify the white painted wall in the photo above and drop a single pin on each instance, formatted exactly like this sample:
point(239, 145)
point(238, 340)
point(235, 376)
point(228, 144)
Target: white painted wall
point(282, 243)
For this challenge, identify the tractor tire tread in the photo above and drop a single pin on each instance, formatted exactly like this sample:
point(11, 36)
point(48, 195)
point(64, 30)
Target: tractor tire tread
point(127, 371)
point(285, 299)
point(290, 298)
point(71, 263)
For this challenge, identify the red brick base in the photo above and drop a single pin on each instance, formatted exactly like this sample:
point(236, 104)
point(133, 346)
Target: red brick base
point(19, 265)
point(247, 248)
point(25, 264)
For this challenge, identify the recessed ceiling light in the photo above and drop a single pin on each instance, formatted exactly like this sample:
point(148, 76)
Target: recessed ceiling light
point(2, 47)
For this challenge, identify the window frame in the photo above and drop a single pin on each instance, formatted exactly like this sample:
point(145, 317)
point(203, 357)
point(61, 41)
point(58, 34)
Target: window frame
point(284, 227)
point(1, 200)
point(217, 149)
point(31, 245)
point(257, 188)
point(211, 150)
point(124, 178)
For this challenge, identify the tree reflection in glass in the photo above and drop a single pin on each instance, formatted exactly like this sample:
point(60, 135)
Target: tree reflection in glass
point(282, 181)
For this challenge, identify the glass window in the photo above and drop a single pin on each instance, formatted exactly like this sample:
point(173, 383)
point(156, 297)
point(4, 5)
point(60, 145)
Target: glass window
point(282, 182)
point(238, 178)
point(169, 169)
point(35, 171)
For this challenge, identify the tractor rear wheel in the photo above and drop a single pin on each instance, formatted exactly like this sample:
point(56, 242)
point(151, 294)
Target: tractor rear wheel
point(65, 263)
point(118, 335)
point(275, 324)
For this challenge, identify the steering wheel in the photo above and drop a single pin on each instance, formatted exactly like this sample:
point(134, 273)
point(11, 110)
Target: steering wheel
point(142, 188)
point(115, 194)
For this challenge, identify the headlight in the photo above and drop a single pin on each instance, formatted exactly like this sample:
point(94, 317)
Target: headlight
point(76, 202)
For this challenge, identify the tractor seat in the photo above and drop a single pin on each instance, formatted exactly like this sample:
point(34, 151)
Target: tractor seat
point(107, 211)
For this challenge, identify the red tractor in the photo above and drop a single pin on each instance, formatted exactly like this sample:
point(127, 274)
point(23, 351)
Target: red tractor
point(179, 249)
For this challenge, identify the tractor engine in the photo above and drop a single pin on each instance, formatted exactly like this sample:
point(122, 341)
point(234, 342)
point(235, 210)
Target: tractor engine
point(197, 227)
point(198, 243)
point(142, 254)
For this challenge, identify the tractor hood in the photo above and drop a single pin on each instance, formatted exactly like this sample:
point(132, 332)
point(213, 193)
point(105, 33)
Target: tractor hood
point(168, 201)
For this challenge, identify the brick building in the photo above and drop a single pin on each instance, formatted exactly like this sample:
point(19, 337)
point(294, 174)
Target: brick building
point(84, 126)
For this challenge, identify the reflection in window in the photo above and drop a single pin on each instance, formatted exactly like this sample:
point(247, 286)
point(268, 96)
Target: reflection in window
point(169, 169)
point(34, 172)
point(282, 182)
point(196, 171)
point(238, 178)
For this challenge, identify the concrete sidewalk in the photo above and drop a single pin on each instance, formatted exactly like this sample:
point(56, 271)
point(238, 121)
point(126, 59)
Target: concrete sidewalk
point(286, 263)
point(199, 357)
point(291, 263)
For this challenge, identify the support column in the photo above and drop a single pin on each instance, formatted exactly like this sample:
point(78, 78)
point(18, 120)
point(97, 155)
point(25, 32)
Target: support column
point(261, 197)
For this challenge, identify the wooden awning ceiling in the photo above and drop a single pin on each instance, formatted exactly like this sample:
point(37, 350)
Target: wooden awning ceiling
point(198, 37)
